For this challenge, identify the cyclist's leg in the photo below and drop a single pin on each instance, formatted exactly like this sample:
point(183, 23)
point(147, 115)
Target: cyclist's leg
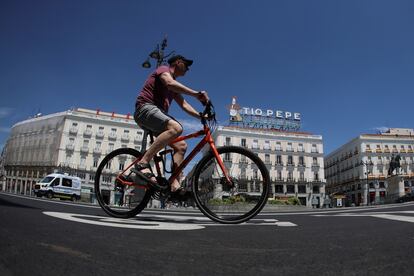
point(162, 125)
point(179, 152)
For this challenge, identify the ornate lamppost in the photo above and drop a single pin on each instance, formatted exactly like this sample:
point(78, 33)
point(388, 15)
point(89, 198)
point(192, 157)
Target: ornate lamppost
point(158, 54)
point(368, 165)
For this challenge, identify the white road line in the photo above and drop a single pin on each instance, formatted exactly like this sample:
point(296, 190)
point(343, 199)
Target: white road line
point(394, 217)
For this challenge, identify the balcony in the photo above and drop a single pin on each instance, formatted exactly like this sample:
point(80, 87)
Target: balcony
point(84, 149)
point(70, 147)
point(87, 133)
point(73, 130)
point(97, 151)
point(100, 134)
point(137, 139)
point(112, 136)
point(125, 138)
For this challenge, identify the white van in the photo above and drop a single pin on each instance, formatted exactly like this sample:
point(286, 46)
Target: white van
point(59, 185)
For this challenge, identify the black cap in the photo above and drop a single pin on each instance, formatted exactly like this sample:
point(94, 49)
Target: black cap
point(171, 60)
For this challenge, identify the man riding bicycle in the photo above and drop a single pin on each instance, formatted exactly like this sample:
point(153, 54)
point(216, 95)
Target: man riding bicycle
point(151, 113)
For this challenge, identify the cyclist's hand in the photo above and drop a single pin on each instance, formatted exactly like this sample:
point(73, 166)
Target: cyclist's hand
point(202, 96)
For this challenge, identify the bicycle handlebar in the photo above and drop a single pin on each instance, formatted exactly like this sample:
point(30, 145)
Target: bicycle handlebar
point(209, 111)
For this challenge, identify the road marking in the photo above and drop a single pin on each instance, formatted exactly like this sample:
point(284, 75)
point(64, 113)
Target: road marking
point(395, 217)
point(160, 222)
point(384, 215)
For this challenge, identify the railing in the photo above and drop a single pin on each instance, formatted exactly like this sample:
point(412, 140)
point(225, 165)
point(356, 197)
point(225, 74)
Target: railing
point(70, 147)
point(87, 133)
point(100, 134)
point(84, 149)
point(125, 138)
point(112, 136)
point(73, 130)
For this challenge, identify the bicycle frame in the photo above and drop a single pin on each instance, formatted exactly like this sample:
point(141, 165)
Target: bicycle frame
point(207, 139)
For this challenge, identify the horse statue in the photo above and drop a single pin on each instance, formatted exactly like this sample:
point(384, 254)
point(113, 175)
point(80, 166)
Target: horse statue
point(394, 164)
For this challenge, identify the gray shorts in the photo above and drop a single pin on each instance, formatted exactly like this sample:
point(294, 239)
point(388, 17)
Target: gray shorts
point(151, 117)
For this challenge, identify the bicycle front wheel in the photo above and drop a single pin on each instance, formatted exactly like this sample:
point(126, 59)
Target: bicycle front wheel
point(116, 199)
point(239, 200)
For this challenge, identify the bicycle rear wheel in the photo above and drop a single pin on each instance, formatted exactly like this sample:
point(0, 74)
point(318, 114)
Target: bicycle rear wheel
point(116, 199)
point(243, 198)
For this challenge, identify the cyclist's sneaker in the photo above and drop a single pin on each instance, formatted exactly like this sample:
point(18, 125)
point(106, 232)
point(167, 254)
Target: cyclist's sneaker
point(141, 177)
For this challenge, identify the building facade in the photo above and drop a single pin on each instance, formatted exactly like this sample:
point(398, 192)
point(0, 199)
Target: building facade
point(72, 142)
point(294, 160)
point(358, 170)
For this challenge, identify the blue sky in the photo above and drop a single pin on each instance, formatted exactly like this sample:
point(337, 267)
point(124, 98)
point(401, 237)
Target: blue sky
point(346, 66)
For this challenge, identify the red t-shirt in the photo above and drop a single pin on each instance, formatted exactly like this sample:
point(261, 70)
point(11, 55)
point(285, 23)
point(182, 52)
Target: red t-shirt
point(155, 92)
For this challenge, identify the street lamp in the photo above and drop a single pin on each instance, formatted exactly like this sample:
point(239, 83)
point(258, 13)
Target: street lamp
point(368, 165)
point(157, 54)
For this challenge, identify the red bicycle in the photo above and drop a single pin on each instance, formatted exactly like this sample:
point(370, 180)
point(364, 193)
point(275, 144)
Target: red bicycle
point(229, 184)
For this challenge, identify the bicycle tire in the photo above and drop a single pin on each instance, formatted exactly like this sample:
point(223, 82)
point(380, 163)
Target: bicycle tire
point(140, 197)
point(247, 197)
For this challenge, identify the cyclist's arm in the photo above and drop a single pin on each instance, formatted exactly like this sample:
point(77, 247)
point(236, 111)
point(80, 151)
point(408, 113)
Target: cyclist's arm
point(178, 87)
point(186, 106)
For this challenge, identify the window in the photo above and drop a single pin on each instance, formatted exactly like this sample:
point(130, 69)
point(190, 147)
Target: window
point(228, 141)
point(302, 176)
point(82, 161)
point(98, 145)
point(278, 146)
point(300, 148)
point(91, 177)
point(316, 176)
point(279, 189)
point(279, 175)
point(301, 161)
point(55, 182)
point(267, 158)
point(71, 141)
point(290, 160)
point(227, 156)
point(314, 148)
point(302, 189)
point(74, 124)
point(289, 147)
point(314, 161)
point(95, 163)
point(279, 159)
point(108, 165)
point(290, 176)
point(66, 182)
point(255, 144)
point(121, 166)
point(290, 189)
point(243, 143)
point(243, 159)
point(266, 145)
point(126, 131)
point(85, 143)
point(110, 146)
point(315, 189)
